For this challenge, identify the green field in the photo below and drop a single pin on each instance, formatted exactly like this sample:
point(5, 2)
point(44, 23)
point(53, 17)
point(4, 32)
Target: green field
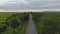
point(20, 29)
point(3, 17)
point(47, 22)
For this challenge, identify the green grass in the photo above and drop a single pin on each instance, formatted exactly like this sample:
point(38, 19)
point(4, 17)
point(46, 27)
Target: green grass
point(3, 16)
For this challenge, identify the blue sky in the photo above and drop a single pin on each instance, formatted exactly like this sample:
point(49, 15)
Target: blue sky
point(29, 4)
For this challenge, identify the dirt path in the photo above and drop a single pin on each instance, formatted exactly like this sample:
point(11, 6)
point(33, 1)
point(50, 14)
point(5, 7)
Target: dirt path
point(30, 27)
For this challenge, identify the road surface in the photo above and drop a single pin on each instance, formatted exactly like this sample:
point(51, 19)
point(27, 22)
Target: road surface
point(30, 27)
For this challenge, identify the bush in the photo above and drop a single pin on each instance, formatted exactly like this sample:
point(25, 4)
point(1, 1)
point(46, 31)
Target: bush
point(3, 28)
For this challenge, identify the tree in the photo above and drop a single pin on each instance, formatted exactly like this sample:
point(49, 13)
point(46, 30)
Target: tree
point(3, 28)
point(13, 21)
point(26, 17)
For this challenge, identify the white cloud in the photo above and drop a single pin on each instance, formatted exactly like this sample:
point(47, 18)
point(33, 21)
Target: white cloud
point(50, 4)
point(25, 2)
point(2, 2)
point(47, 0)
point(33, 0)
point(14, 1)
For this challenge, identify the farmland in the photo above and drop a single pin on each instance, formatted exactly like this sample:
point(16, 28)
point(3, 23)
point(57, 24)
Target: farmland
point(3, 17)
point(47, 22)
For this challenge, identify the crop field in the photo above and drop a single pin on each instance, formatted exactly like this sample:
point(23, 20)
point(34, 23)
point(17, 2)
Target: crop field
point(3, 17)
point(8, 25)
point(47, 22)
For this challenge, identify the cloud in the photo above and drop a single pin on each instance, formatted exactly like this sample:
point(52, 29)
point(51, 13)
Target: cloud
point(18, 1)
point(3, 2)
point(28, 4)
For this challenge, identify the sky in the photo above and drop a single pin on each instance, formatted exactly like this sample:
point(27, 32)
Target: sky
point(29, 4)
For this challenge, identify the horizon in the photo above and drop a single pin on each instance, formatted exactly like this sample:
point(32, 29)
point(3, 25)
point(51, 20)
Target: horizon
point(31, 10)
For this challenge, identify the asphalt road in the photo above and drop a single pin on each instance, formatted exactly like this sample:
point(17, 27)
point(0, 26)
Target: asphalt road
point(30, 27)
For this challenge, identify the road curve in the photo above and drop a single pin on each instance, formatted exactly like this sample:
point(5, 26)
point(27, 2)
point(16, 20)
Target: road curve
point(30, 27)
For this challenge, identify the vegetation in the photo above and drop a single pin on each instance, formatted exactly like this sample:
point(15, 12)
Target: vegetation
point(47, 22)
point(13, 23)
